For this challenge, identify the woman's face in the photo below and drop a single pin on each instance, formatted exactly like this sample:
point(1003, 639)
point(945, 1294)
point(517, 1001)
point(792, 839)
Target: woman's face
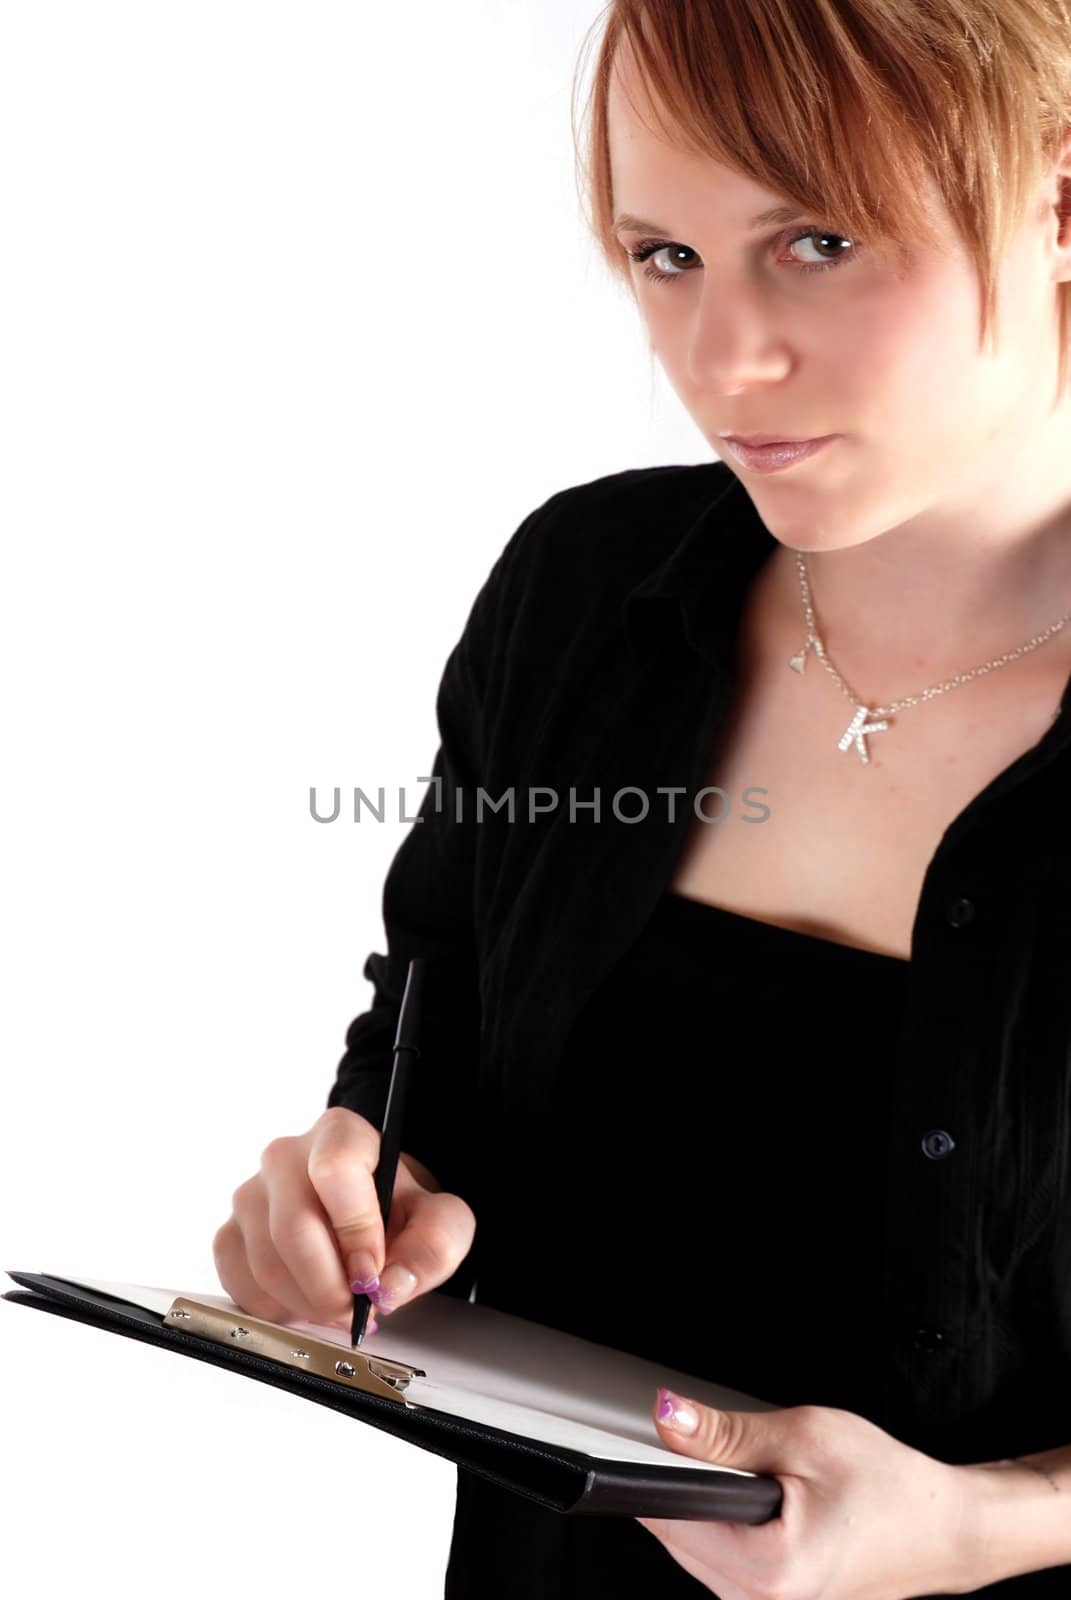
point(881, 351)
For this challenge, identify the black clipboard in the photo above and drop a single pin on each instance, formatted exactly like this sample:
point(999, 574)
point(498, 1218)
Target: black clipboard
point(557, 1389)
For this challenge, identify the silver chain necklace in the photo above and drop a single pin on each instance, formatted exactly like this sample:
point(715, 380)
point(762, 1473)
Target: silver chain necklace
point(861, 724)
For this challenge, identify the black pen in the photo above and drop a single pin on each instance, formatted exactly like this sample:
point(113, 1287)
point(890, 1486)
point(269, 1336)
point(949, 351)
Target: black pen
point(390, 1139)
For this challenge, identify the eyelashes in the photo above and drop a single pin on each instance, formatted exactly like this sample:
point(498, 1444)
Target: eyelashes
point(651, 247)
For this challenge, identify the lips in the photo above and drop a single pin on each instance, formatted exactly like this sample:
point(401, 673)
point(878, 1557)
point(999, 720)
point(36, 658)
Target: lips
point(753, 439)
point(778, 455)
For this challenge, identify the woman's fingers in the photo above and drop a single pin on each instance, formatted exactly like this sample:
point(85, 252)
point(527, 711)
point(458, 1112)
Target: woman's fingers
point(306, 1231)
point(301, 1233)
point(343, 1150)
point(434, 1235)
point(230, 1252)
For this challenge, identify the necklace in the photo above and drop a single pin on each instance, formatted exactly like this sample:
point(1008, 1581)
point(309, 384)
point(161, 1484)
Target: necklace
point(862, 725)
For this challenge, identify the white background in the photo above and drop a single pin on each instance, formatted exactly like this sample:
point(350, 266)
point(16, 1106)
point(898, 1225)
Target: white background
point(299, 321)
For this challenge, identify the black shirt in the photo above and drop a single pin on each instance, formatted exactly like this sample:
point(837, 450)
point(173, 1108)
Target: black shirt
point(593, 671)
point(754, 1031)
point(761, 1266)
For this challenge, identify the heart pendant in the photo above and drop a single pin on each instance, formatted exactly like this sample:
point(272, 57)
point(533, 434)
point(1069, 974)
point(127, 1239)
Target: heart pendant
point(796, 661)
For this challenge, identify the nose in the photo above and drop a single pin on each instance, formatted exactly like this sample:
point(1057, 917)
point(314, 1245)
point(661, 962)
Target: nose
point(731, 345)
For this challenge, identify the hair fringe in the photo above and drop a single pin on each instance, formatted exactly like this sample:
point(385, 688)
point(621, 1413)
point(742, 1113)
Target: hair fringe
point(849, 108)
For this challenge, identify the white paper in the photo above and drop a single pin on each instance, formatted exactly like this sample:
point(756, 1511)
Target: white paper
point(509, 1373)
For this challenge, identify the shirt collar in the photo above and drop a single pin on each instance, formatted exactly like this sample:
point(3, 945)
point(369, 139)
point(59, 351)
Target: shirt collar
point(697, 591)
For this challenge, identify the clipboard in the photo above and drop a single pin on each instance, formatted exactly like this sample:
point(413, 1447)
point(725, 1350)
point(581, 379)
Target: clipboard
point(543, 1413)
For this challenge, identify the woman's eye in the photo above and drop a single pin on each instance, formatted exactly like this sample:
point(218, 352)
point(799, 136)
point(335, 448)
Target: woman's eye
point(651, 248)
point(839, 254)
point(680, 258)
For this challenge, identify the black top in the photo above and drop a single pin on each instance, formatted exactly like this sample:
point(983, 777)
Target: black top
point(705, 1085)
point(723, 1096)
point(587, 687)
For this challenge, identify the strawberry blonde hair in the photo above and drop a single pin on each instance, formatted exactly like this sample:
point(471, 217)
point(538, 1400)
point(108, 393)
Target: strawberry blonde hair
point(844, 106)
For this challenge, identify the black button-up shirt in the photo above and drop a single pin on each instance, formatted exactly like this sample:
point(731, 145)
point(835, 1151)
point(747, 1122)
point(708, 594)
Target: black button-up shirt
point(590, 680)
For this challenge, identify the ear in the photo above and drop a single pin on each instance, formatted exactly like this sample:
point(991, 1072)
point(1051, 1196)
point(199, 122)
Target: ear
point(1061, 204)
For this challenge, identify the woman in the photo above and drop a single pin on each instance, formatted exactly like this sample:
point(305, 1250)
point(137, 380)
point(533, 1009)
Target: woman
point(791, 1070)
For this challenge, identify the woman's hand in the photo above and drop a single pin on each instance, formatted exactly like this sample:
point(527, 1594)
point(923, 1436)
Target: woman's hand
point(306, 1227)
point(863, 1516)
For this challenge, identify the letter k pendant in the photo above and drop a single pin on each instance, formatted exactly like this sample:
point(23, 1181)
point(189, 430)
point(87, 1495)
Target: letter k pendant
point(857, 729)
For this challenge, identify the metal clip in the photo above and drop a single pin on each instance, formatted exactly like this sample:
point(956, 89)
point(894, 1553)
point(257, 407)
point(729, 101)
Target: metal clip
point(355, 1369)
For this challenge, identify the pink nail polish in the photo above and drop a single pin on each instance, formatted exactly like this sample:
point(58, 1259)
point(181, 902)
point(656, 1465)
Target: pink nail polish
point(675, 1411)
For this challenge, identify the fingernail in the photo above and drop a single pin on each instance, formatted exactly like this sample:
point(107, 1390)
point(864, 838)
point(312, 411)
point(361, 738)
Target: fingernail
point(363, 1276)
point(370, 1327)
point(396, 1283)
point(675, 1412)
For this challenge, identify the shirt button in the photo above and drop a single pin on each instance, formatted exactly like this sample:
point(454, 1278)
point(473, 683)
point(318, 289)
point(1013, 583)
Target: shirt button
point(937, 1144)
point(959, 911)
point(928, 1340)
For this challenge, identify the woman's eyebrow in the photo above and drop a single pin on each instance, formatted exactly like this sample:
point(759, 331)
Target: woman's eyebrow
point(627, 222)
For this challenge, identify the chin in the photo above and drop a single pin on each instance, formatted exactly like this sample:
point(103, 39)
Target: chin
point(800, 530)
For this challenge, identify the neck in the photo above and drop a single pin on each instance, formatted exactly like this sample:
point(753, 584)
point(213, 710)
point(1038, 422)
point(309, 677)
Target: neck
point(949, 589)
